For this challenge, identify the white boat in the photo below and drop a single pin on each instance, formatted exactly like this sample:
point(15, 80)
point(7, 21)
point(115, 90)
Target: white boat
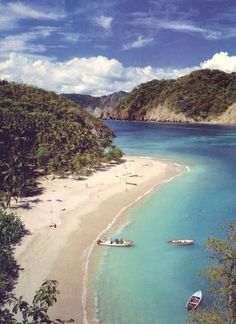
point(115, 242)
point(194, 300)
point(181, 242)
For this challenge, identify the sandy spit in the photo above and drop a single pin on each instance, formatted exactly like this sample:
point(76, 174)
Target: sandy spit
point(81, 210)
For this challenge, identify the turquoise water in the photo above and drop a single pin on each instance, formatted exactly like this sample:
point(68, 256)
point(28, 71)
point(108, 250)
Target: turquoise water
point(151, 282)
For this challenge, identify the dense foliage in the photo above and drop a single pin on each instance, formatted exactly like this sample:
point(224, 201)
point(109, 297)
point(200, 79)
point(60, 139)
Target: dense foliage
point(11, 232)
point(201, 95)
point(41, 130)
point(221, 275)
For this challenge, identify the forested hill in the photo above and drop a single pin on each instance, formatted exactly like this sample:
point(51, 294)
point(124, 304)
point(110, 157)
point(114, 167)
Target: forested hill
point(46, 131)
point(201, 96)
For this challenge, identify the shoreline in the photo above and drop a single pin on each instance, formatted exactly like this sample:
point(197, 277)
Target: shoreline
point(83, 211)
point(88, 293)
point(210, 123)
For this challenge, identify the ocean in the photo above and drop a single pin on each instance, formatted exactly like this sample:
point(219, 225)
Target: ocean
point(150, 282)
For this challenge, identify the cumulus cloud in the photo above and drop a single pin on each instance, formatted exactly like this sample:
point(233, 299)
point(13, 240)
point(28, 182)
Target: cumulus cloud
point(140, 42)
point(94, 75)
point(104, 22)
point(221, 61)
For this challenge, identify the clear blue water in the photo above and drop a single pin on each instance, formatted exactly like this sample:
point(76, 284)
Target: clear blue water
point(151, 282)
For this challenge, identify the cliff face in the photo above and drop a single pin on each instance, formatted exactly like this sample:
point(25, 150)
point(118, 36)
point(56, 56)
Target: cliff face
point(162, 113)
point(201, 96)
point(228, 117)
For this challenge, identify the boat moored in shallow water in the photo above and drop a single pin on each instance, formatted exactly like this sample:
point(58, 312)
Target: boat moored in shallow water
point(194, 300)
point(115, 242)
point(181, 242)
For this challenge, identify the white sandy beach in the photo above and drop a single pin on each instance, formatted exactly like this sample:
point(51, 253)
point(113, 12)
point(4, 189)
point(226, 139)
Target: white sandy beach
point(81, 209)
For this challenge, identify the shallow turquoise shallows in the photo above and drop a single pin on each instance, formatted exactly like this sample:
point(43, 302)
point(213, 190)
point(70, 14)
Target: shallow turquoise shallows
point(151, 282)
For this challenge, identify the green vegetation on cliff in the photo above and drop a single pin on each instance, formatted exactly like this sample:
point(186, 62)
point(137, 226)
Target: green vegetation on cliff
point(40, 130)
point(201, 96)
point(204, 93)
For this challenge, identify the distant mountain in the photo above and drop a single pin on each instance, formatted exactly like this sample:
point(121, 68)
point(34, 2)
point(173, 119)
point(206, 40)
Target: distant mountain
point(201, 96)
point(98, 106)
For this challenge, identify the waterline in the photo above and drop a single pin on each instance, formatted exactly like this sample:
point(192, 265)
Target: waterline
point(110, 225)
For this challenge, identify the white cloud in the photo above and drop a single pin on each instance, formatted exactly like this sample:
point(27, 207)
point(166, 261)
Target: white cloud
point(29, 42)
point(152, 23)
point(5, 21)
point(19, 43)
point(70, 37)
point(180, 26)
point(140, 42)
point(25, 11)
point(23, 42)
point(190, 28)
point(104, 22)
point(94, 75)
point(13, 12)
point(221, 61)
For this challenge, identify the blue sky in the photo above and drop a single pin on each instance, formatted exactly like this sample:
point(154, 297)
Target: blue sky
point(103, 46)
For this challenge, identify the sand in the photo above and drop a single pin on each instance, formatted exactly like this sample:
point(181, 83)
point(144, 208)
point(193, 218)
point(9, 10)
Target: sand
point(82, 211)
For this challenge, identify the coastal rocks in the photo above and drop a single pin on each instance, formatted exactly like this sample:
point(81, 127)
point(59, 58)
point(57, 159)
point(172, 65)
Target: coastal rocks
point(162, 113)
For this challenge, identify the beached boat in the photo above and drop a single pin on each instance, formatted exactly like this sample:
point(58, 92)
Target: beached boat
point(194, 300)
point(181, 242)
point(115, 242)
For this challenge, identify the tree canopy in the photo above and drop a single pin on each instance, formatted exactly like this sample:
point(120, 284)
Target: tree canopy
point(11, 232)
point(201, 95)
point(40, 130)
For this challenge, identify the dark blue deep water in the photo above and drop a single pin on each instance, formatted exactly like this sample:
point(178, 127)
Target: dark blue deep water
point(151, 282)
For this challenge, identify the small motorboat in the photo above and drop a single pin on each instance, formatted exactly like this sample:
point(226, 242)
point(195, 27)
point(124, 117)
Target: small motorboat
point(194, 300)
point(181, 242)
point(115, 242)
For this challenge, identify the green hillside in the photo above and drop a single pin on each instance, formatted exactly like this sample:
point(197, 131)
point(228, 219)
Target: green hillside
point(201, 95)
point(40, 130)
